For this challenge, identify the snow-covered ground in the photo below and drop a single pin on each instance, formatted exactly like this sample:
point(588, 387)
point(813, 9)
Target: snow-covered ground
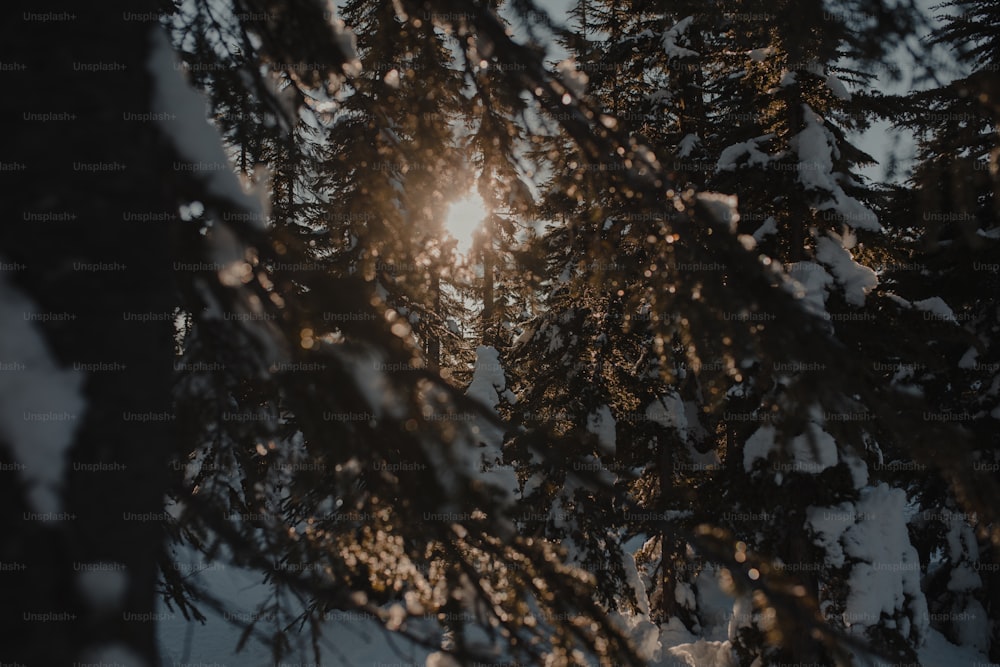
point(347, 641)
point(352, 642)
point(939, 652)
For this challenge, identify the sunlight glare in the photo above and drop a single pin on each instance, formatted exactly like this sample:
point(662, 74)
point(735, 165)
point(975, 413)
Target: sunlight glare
point(465, 216)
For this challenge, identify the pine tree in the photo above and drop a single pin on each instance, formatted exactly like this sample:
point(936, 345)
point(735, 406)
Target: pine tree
point(948, 225)
point(675, 342)
point(799, 113)
point(610, 181)
point(280, 425)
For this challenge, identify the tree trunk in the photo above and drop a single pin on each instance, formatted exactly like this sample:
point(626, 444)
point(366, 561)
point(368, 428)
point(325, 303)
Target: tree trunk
point(667, 607)
point(433, 341)
point(488, 288)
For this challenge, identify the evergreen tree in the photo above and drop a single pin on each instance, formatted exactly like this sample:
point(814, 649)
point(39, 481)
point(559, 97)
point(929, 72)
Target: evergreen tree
point(947, 221)
point(689, 366)
point(791, 162)
point(280, 425)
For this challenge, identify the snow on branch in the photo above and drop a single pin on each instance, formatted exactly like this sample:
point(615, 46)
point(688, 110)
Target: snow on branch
point(180, 111)
point(40, 407)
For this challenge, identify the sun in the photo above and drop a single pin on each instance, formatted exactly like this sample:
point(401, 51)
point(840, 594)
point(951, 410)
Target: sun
point(464, 219)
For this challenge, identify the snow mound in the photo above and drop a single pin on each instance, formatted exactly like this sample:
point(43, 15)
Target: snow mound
point(939, 651)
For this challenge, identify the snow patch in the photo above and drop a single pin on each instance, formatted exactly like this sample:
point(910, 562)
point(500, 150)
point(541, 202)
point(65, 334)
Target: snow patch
point(885, 577)
point(937, 650)
point(486, 455)
point(487, 377)
point(816, 148)
point(103, 585)
point(702, 652)
point(573, 77)
point(859, 471)
point(687, 144)
point(722, 207)
point(372, 383)
point(684, 595)
point(671, 38)
point(828, 525)
point(732, 156)
point(857, 280)
point(837, 87)
point(968, 360)
point(632, 576)
point(40, 406)
point(181, 113)
point(441, 659)
point(815, 450)
point(113, 654)
point(895, 298)
point(668, 411)
point(937, 307)
point(974, 629)
point(812, 452)
point(809, 282)
point(769, 227)
point(758, 446)
point(602, 424)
